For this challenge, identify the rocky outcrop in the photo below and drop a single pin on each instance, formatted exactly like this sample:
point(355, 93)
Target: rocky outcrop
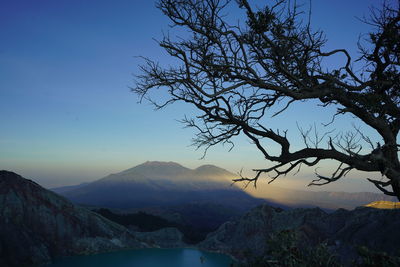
point(37, 225)
point(342, 230)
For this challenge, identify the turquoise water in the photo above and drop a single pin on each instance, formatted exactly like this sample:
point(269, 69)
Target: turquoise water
point(148, 258)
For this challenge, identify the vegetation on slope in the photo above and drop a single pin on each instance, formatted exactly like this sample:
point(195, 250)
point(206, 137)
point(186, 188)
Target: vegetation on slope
point(147, 223)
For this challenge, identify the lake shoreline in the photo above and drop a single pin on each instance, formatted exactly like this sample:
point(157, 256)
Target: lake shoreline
point(148, 256)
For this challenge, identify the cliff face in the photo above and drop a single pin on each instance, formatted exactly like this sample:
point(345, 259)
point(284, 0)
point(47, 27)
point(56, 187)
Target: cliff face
point(37, 225)
point(342, 230)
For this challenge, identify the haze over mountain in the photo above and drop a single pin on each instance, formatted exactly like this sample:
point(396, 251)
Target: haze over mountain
point(322, 199)
point(157, 183)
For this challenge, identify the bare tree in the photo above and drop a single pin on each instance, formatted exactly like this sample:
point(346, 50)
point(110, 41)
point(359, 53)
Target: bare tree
point(236, 75)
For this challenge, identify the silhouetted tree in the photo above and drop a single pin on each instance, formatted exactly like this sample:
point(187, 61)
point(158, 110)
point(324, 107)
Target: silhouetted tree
point(237, 74)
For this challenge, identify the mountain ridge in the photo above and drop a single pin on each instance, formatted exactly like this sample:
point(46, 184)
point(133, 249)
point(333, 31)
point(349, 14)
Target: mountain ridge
point(172, 176)
point(156, 183)
point(343, 232)
point(37, 225)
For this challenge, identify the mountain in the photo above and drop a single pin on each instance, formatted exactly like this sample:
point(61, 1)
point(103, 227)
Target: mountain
point(249, 237)
point(37, 225)
point(154, 184)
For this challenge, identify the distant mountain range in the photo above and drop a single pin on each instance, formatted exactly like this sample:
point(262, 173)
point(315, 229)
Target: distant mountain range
point(169, 184)
point(166, 184)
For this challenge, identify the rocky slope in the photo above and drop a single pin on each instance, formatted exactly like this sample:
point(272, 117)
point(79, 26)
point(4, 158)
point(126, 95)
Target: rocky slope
point(36, 225)
point(342, 230)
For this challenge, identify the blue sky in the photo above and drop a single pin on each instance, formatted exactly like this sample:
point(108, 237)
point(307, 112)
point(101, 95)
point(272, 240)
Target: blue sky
point(67, 114)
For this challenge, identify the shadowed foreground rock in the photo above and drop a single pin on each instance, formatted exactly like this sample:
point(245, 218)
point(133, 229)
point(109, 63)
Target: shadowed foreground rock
point(37, 225)
point(343, 231)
